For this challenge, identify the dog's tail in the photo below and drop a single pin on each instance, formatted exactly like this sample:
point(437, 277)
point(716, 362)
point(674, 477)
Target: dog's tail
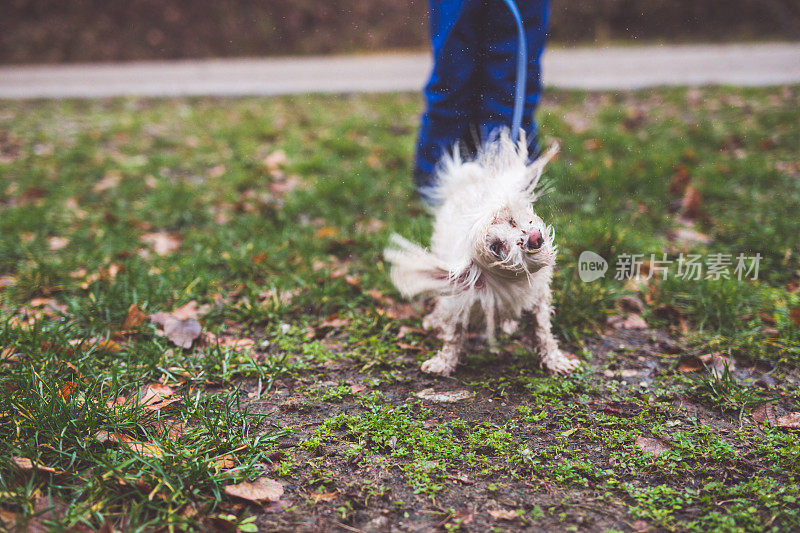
point(414, 269)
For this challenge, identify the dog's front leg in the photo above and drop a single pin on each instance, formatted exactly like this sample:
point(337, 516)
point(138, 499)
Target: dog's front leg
point(550, 357)
point(448, 320)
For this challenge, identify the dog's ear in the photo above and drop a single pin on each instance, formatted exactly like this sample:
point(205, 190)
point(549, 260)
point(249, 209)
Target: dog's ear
point(535, 169)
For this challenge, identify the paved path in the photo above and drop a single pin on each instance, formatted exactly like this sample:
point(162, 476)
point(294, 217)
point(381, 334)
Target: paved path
point(583, 68)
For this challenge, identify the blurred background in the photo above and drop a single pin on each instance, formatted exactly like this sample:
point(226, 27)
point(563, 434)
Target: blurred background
point(48, 31)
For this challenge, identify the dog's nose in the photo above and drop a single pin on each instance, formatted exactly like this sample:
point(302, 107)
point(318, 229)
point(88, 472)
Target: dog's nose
point(534, 240)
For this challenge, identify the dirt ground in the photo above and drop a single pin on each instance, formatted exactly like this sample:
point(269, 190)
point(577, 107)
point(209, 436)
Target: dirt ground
point(634, 359)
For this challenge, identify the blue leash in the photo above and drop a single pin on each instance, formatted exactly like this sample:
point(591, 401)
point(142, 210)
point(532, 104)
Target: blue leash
point(522, 71)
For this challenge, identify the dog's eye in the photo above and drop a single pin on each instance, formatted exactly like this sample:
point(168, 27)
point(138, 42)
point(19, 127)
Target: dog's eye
point(497, 249)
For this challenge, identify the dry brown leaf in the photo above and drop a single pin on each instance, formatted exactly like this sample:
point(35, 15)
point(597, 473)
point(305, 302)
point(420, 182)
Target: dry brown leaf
point(716, 363)
point(262, 489)
point(680, 180)
point(66, 390)
point(688, 236)
point(335, 321)
point(142, 448)
point(23, 463)
point(652, 446)
point(445, 396)
point(795, 314)
point(790, 420)
point(163, 242)
point(463, 516)
point(592, 144)
point(358, 387)
point(692, 203)
point(765, 413)
point(135, 317)
point(57, 243)
point(632, 321)
point(326, 232)
point(190, 310)
point(110, 181)
point(157, 396)
point(460, 477)
point(226, 341)
point(275, 160)
point(503, 514)
point(317, 497)
point(181, 332)
point(689, 364)
point(107, 345)
point(225, 462)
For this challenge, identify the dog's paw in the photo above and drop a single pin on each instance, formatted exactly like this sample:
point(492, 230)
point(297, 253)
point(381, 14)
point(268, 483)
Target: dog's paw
point(560, 364)
point(439, 365)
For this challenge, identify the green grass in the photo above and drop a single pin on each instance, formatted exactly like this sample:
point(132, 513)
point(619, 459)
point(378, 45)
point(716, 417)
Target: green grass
point(288, 255)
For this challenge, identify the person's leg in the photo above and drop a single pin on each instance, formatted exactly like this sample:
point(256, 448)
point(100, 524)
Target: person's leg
point(498, 64)
point(452, 88)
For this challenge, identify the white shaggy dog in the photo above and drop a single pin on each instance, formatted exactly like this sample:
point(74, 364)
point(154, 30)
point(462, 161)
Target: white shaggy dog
point(491, 257)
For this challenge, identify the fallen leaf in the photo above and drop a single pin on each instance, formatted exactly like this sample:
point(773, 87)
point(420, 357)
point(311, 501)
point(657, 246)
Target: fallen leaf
point(652, 446)
point(795, 314)
point(680, 180)
point(216, 172)
point(632, 321)
point(276, 506)
point(443, 397)
point(262, 489)
point(592, 144)
point(57, 243)
point(765, 413)
point(226, 341)
point(326, 232)
point(640, 526)
point(631, 304)
point(23, 463)
point(181, 332)
point(688, 236)
point(689, 364)
point(157, 396)
point(358, 387)
point(142, 448)
point(335, 321)
point(66, 390)
point(463, 516)
point(692, 202)
point(503, 514)
point(106, 345)
point(275, 160)
point(460, 477)
point(110, 181)
point(791, 420)
point(716, 363)
point(163, 242)
point(317, 497)
point(225, 462)
point(190, 310)
point(135, 317)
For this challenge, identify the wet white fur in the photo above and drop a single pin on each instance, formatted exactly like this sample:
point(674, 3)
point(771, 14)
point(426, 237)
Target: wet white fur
point(483, 201)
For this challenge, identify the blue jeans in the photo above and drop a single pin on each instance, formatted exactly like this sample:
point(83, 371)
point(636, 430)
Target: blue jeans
point(470, 92)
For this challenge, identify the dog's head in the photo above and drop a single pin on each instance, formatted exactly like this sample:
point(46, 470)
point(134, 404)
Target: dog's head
point(515, 241)
point(511, 239)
